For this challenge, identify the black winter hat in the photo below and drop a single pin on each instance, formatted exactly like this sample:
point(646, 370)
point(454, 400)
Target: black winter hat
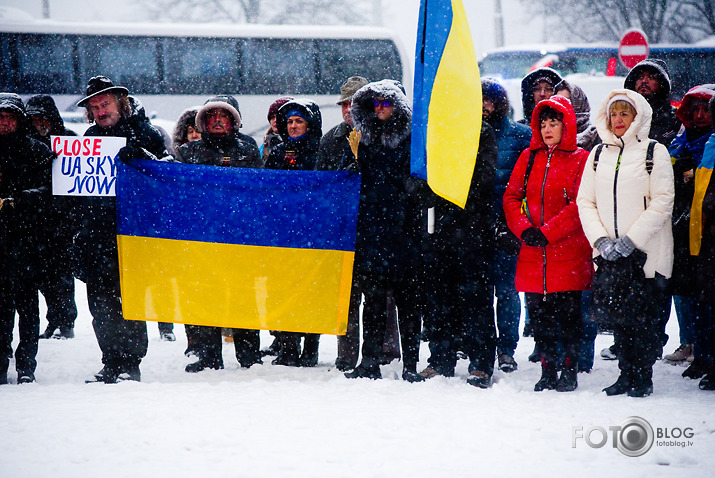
point(98, 85)
point(308, 109)
point(657, 66)
point(13, 103)
point(493, 90)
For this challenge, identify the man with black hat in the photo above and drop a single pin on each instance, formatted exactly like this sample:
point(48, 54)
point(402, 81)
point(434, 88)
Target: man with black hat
point(537, 86)
point(123, 342)
point(651, 79)
point(221, 144)
point(25, 169)
point(56, 280)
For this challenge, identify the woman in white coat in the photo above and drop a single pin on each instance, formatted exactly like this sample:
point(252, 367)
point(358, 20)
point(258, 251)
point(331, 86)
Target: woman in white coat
point(626, 204)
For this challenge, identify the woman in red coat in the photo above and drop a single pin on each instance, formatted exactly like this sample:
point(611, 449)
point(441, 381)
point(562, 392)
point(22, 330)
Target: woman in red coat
point(554, 264)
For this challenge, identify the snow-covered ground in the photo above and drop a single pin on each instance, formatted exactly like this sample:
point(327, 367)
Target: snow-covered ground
point(277, 421)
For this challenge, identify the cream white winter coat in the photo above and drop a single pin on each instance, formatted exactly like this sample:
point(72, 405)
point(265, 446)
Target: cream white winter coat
point(614, 202)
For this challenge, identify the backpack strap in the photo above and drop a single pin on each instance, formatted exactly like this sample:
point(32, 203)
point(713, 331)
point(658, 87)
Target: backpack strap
point(649, 156)
point(529, 165)
point(598, 153)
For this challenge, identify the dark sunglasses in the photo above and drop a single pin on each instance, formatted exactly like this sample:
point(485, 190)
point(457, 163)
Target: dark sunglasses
point(383, 103)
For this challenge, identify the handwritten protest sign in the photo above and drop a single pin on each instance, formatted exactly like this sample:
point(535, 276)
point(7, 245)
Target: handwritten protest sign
point(85, 166)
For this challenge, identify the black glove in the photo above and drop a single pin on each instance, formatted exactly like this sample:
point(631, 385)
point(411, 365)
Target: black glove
point(508, 243)
point(534, 237)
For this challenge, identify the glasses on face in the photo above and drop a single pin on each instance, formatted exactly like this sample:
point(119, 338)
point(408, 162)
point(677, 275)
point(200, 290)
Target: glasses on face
point(383, 103)
point(545, 89)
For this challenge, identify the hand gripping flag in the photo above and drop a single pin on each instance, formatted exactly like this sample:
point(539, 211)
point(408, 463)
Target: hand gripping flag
point(236, 247)
point(447, 112)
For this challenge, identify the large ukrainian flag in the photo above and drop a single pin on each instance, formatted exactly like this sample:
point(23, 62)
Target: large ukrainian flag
point(447, 111)
point(236, 247)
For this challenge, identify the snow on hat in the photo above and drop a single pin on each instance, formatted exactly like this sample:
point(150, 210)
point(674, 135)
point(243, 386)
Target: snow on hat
point(98, 85)
point(351, 85)
point(221, 102)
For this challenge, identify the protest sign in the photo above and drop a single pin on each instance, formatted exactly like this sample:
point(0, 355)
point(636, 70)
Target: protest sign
point(85, 166)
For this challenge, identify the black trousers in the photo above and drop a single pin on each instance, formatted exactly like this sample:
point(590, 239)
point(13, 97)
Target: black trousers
point(208, 344)
point(123, 342)
point(407, 293)
point(18, 292)
point(461, 310)
point(56, 283)
point(556, 316)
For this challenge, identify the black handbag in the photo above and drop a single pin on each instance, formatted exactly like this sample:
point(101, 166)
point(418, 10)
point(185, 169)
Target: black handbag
point(618, 290)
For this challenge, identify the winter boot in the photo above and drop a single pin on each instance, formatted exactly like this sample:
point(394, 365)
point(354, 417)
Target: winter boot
point(365, 371)
point(548, 376)
point(309, 357)
point(697, 369)
point(49, 331)
point(215, 363)
point(534, 357)
point(108, 374)
point(4, 364)
point(707, 383)
point(568, 381)
point(507, 363)
point(272, 349)
point(641, 382)
point(479, 379)
point(409, 374)
point(289, 349)
point(25, 377)
point(620, 386)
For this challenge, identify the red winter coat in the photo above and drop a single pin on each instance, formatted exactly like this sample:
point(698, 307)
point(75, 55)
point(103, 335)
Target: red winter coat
point(565, 263)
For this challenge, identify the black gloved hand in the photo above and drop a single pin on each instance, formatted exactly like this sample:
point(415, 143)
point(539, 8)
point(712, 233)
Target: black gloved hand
point(534, 237)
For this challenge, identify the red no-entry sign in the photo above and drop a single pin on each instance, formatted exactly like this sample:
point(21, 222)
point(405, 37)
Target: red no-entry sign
point(633, 48)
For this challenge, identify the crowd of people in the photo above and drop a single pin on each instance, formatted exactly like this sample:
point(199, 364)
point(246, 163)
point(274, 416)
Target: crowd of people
point(560, 209)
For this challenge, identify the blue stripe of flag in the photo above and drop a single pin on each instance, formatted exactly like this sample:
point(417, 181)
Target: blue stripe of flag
point(435, 23)
point(296, 209)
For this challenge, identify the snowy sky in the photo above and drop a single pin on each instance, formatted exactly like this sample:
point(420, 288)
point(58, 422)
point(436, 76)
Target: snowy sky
point(400, 15)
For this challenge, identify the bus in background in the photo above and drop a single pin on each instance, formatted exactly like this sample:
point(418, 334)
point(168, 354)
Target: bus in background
point(597, 67)
point(171, 67)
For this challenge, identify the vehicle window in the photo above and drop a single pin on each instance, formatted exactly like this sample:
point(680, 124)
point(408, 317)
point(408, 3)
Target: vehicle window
point(372, 59)
point(43, 63)
point(277, 67)
point(509, 65)
point(128, 61)
point(201, 65)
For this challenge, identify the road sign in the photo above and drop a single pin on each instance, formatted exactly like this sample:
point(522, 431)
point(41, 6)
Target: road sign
point(633, 48)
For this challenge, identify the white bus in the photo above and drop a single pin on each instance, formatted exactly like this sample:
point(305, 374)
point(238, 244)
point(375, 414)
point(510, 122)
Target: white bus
point(170, 67)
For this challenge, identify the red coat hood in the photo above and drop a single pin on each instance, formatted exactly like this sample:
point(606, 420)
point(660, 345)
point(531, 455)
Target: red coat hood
point(562, 105)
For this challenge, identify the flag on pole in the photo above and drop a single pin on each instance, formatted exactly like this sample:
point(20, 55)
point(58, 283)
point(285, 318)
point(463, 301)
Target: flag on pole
point(236, 247)
point(447, 112)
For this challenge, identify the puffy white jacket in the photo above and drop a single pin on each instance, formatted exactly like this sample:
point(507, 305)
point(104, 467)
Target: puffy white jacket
point(613, 202)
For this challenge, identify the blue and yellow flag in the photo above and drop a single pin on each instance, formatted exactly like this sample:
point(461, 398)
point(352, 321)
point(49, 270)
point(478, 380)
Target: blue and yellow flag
point(447, 112)
point(236, 247)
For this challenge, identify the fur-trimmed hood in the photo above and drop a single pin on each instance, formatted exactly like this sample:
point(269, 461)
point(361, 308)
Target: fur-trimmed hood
point(187, 118)
point(222, 102)
point(397, 128)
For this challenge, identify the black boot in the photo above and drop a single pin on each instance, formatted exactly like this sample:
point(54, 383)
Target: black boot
point(309, 357)
point(697, 369)
point(365, 371)
point(289, 349)
point(707, 383)
point(4, 364)
point(620, 386)
point(568, 381)
point(534, 357)
point(272, 349)
point(641, 382)
point(47, 334)
point(215, 363)
point(548, 376)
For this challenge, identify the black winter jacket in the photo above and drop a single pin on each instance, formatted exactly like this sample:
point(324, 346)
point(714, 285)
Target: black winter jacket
point(297, 153)
point(216, 150)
